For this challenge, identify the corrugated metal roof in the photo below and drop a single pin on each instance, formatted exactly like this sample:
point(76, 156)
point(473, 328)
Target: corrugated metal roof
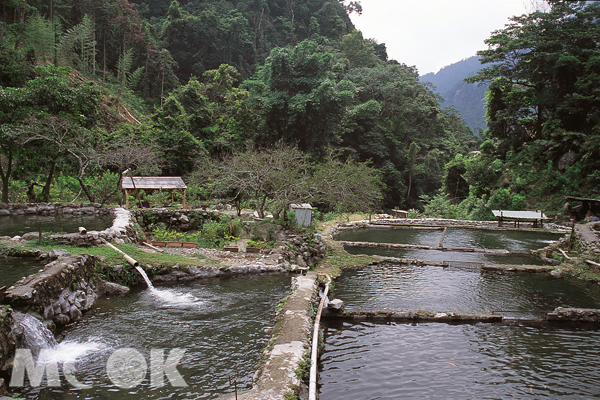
point(305, 206)
point(523, 215)
point(153, 182)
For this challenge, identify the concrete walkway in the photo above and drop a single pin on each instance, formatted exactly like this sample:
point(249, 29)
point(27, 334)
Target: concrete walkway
point(587, 233)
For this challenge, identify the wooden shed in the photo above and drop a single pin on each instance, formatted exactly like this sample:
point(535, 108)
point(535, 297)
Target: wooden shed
point(132, 185)
point(537, 217)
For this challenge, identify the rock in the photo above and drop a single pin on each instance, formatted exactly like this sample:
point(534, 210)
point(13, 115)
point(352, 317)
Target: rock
point(184, 219)
point(74, 313)
point(56, 253)
point(50, 325)
point(557, 273)
point(336, 305)
point(300, 261)
point(61, 319)
point(30, 236)
point(48, 312)
point(112, 289)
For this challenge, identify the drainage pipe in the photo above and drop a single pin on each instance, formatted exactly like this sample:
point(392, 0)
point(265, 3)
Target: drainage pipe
point(129, 259)
point(312, 388)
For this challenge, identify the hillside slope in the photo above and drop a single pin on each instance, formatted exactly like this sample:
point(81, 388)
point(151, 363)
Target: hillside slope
point(467, 98)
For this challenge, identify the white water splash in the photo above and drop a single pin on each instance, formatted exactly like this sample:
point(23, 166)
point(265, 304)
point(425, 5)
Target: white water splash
point(175, 298)
point(169, 296)
point(70, 351)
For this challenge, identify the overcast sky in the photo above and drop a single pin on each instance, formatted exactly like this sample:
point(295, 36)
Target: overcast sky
point(431, 34)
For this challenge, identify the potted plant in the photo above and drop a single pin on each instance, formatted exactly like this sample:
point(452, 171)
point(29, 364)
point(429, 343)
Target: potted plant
point(255, 246)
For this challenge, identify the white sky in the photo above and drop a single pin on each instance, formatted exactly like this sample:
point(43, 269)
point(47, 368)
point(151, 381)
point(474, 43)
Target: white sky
point(431, 34)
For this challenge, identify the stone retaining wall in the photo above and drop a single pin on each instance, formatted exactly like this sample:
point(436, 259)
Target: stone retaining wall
point(54, 209)
point(7, 344)
point(182, 220)
point(60, 293)
point(574, 315)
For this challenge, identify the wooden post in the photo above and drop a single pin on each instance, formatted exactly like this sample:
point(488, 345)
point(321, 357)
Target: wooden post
point(572, 238)
point(443, 236)
point(126, 199)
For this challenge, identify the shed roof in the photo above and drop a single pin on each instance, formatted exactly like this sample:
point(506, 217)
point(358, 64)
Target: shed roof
point(153, 182)
point(581, 199)
point(520, 215)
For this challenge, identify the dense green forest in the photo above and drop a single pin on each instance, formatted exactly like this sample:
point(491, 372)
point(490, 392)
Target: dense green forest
point(90, 89)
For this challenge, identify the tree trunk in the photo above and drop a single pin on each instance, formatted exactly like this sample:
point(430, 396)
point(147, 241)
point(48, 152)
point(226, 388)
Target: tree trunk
point(104, 59)
point(5, 177)
point(45, 196)
point(85, 189)
point(409, 185)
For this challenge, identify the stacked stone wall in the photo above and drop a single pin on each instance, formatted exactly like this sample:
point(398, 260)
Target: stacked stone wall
point(60, 293)
point(54, 209)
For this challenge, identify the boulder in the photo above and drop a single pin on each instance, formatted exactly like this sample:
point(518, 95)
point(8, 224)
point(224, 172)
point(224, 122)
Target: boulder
point(112, 289)
point(336, 305)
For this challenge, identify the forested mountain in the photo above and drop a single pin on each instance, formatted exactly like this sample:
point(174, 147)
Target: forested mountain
point(467, 98)
point(89, 89)
point(543, 113)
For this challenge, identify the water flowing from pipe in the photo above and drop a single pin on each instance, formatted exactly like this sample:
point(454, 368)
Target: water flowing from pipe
point(143, 273)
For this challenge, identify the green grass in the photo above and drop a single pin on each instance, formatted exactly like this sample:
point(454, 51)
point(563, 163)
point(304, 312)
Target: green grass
point(113, 257)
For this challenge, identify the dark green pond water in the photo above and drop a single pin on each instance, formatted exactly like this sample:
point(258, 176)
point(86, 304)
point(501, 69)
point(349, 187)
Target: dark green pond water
point(439, 255)
point(441, 361)
point(14, 268)
point(455, 237)
point(20, 224)
point(439, 289)
point(223, 325)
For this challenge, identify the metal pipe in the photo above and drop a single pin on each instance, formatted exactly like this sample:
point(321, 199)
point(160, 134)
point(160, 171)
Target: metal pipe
point(130, 260)
point(312, 388)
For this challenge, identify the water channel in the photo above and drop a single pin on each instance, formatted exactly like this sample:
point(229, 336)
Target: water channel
point(473, 361)
point(454, 238)
point(223, 324)
point(438, 289)
point(515, 359)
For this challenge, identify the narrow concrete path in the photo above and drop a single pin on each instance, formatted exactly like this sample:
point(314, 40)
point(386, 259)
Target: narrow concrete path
point(587, 233)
